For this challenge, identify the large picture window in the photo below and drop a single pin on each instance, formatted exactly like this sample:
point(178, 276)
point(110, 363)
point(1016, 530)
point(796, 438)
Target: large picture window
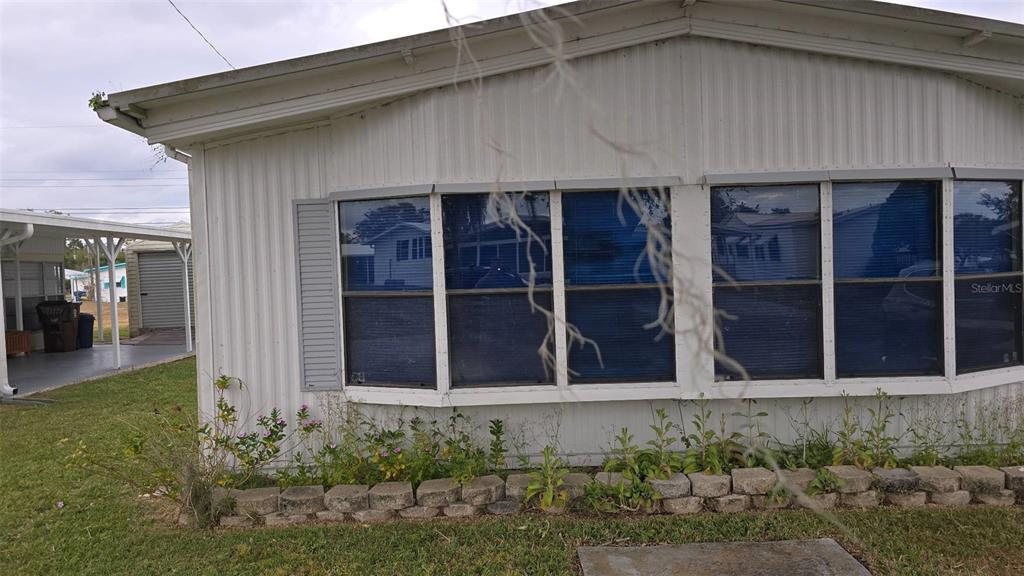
point(493, 246)
point(888, 288)
point(387, 292)
point(987, 262)
point(614, 285)
point(765, 243)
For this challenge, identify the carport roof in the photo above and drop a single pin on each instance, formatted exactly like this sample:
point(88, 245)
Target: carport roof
point(73, 227)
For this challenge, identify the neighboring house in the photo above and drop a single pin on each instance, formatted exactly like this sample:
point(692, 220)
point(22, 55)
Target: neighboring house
point(120, 282)
point(854, 167)
point(41, 265)
point(155, 286)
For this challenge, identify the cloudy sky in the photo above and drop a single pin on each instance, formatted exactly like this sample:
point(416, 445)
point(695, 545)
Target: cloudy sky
point(55, 153)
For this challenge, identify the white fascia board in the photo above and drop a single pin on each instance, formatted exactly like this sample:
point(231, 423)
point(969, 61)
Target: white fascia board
point(922, 173)
point(739, 178)
point(382, 192)
point(200, 127)
point(621, 182)
point(482, 187)
point(856, 49)
point(965, 173)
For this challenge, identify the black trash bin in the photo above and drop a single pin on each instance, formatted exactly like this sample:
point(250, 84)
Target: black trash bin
point(85, 322)
point(59, 320)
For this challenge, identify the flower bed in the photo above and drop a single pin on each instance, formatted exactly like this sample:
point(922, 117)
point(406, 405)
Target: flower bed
point(743, 489)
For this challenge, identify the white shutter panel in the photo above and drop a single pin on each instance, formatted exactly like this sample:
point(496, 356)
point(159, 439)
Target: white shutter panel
point(317, 275)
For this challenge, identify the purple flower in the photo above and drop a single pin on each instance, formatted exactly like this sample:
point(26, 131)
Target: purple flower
point(266, 433)
point(334, 446)
point(281, 422)
point(60, 504)
point(397, 450)
point(241, 434)
point(304, 408)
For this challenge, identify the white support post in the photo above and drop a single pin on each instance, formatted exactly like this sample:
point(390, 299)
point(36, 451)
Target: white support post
point(111, 247)
point(184, 250)
point(5, 386)
point(19, 314)
point(94, 251)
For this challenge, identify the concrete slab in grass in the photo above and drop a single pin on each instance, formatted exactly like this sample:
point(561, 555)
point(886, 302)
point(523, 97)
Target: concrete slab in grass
point(823, 557)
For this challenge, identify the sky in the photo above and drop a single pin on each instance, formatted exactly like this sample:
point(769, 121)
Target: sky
point(56, 154)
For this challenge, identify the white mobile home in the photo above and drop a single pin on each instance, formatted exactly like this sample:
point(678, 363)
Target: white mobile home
point(852, 169)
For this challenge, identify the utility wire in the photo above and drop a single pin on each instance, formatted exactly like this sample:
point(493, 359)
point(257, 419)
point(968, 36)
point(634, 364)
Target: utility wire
point(201, 35)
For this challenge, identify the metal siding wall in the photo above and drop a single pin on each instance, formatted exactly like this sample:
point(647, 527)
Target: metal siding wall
point(544, 126)
point(769, 109)
point(250, 186)
point(758, 109)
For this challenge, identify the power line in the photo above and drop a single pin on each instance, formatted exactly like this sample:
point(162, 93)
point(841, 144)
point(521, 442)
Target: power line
point(201, 35)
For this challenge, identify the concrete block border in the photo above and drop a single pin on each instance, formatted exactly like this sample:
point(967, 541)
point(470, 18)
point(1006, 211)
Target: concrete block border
point(742, 490)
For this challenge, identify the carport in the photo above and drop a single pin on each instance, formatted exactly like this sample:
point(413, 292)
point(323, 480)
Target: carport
point(28, 238)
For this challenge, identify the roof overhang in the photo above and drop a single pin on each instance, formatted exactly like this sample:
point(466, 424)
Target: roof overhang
point(46, 224)
point(316, 87)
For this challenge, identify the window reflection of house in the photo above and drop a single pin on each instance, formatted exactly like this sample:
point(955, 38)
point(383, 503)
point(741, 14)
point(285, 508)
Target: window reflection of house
point(752, 244)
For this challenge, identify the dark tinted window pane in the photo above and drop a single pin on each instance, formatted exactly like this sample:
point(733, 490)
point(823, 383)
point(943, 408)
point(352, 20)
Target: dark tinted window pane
point(385, 244)
point(988, 323)
point(495, 339)
point(884, 229)
point(986, 225)
point(889, 329)
point(601, 247)
point(775, 331)
point(390, 340)
point(482, 249)
point(615, 319)
point(766, 232)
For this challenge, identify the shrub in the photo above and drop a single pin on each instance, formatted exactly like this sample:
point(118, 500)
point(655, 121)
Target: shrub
point(546, 482)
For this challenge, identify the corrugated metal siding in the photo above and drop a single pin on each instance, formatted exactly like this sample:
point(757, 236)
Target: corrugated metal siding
point(542, 126)
point(752, 109)
point(250, 186)
point(131, 268)
point(161, 293)
point(776, 109)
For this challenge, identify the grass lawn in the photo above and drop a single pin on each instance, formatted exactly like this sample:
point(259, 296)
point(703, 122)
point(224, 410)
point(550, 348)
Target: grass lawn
point(105, 529)
point(89, 307)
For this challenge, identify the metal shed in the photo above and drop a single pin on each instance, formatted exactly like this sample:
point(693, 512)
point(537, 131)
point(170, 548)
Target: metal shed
point(155, 289)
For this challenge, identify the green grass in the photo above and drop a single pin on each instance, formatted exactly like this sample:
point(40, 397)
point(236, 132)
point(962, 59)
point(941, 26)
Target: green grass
point(106, 529)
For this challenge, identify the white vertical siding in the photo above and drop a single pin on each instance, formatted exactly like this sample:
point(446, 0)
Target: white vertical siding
point(685, 106)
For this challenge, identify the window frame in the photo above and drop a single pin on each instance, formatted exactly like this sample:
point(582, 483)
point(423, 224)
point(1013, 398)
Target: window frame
point(939, 279)
point(691, 227)
point(566, 289)
point(819, 282)
point(971, 176)
point(524, 291)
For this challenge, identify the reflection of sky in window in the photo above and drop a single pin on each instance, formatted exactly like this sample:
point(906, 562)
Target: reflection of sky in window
point(770, 198)
point(867, 194)
point(967, 199)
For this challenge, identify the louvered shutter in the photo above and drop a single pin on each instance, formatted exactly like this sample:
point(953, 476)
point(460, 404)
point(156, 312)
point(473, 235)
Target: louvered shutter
point(317, 271)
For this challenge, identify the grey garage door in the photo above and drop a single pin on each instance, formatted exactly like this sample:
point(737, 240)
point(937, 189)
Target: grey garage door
point(160, 287)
